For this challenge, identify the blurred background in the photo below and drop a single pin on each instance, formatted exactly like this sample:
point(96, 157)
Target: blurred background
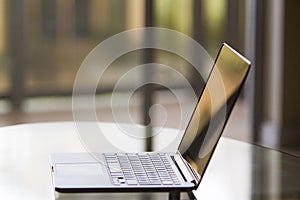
point(43, 42)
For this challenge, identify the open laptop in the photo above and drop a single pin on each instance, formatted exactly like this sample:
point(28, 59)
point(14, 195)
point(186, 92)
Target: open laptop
point(162, 171)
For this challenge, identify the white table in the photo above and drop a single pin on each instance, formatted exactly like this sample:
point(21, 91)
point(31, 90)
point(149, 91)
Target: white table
point(25, 172)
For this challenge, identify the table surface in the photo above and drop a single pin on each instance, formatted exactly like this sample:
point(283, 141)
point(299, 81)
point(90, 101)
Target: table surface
point(237, 170)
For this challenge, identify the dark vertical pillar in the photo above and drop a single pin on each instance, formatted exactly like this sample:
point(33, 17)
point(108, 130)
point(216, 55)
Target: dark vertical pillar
point(258, 71)
point(49, 18)
point(290, 135)
point(254, 50)
point(148, 89)
point(232, 27)
point(198, 28)
point(82, 17)
point(197, 81)
point(16, 49)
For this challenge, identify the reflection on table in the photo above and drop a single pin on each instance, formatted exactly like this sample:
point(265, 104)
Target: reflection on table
point(237, 171)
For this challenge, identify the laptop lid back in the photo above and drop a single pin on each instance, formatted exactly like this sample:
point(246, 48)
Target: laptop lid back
point(213, 109)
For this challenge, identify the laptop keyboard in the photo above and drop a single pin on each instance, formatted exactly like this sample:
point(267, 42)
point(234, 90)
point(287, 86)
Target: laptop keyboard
point(140, 169)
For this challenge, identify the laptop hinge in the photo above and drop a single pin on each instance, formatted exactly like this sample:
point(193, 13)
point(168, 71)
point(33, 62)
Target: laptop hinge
point(185, 169)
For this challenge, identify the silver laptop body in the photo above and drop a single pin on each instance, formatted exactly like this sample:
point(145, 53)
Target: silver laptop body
point(100, 172)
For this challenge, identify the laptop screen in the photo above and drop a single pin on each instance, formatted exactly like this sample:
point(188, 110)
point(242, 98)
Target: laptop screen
point(213, 108)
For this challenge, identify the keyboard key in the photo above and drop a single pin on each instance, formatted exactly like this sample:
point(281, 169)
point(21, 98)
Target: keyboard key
point(167, 182)
point(132, 182)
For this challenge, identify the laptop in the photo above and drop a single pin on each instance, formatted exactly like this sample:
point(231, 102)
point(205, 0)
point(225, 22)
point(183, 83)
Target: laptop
point(162, 171)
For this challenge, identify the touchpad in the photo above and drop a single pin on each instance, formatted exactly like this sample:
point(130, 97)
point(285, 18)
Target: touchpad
point(79, 169)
